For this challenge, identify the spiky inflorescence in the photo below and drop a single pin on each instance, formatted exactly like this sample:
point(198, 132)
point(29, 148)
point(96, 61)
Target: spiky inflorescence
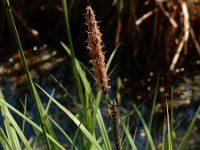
point(112, 112)
point(95, 46)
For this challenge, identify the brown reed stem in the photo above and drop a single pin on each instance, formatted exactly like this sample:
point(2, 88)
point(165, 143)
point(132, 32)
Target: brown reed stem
point(95, 46)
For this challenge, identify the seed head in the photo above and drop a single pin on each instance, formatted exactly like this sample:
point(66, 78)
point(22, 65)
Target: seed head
point(95, 46)
point(112, 112)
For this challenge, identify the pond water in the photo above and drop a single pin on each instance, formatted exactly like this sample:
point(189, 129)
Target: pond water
point(186, 88)
point(43, 62)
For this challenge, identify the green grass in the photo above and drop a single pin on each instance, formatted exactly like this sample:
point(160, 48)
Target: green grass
point(92, 129)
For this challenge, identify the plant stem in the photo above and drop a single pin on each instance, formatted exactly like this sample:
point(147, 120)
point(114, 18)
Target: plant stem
point(84, 100)
point(75, 73)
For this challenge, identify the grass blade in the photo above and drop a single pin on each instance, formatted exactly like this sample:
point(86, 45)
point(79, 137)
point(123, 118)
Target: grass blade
point(112, 56)
point(189, 130)
point(147, 131)
point(25, 111)
point(128, 135)
point(75, 120)
point(12, 128)
point(75, 73)
point(103, 130)
point(76, 76)
point(96, 107)
point(11, 133)
point(40, 110)
point(173, 132)
point(61, 86)
point(4, 140)
point(33, 124)
point(169, 129)
point(19, 132)
point(79, 69)
point(153, 110)
point(63, 132)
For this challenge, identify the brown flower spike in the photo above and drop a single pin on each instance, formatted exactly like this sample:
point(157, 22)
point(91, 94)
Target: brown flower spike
point(112, 112)
point(95, 46)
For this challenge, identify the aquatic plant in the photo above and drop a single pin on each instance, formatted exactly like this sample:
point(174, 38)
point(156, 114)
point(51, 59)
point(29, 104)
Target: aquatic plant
point(92, 131)
point(95, 46)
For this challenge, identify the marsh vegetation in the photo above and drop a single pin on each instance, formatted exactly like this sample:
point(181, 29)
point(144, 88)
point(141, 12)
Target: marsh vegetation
point(134, 83)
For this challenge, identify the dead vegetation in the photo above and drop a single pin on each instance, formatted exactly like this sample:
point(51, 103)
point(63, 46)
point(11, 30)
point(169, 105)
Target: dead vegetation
point(155, 35)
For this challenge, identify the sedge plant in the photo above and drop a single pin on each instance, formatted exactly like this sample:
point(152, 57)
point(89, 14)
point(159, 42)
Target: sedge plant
point(88, 117)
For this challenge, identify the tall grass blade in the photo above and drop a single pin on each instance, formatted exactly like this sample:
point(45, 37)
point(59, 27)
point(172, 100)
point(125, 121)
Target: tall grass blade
point(49, 102)
point(33, 124)
point(12, 128)
point(111, 57)
point(25, 112)
point(153, 110)
point(68, 50)
point(103, 131)
point(75, 136)
point(75, 73)
point(10, 131)
point(63, 132)
point(79, 74)
point(19, 132)
point(75, 120)
point(4, 140)
point(96, 108)
point(169, 129)
point(36, 141)
point(38, 104)
point(173, 132)
point(189, 130)
point(128, 135)
point(147, 131)
point(61, 86)
point(79, 69)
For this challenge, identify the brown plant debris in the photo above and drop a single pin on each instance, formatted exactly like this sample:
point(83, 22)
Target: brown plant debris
point(95, 46)
point(112, 112)
point(185, 37)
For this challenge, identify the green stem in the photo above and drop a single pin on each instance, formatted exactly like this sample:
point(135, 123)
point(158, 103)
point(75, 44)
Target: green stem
point(75, 73)
point(172, 116)
point(153, 110)
point(25, 66)
point(84, 100)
